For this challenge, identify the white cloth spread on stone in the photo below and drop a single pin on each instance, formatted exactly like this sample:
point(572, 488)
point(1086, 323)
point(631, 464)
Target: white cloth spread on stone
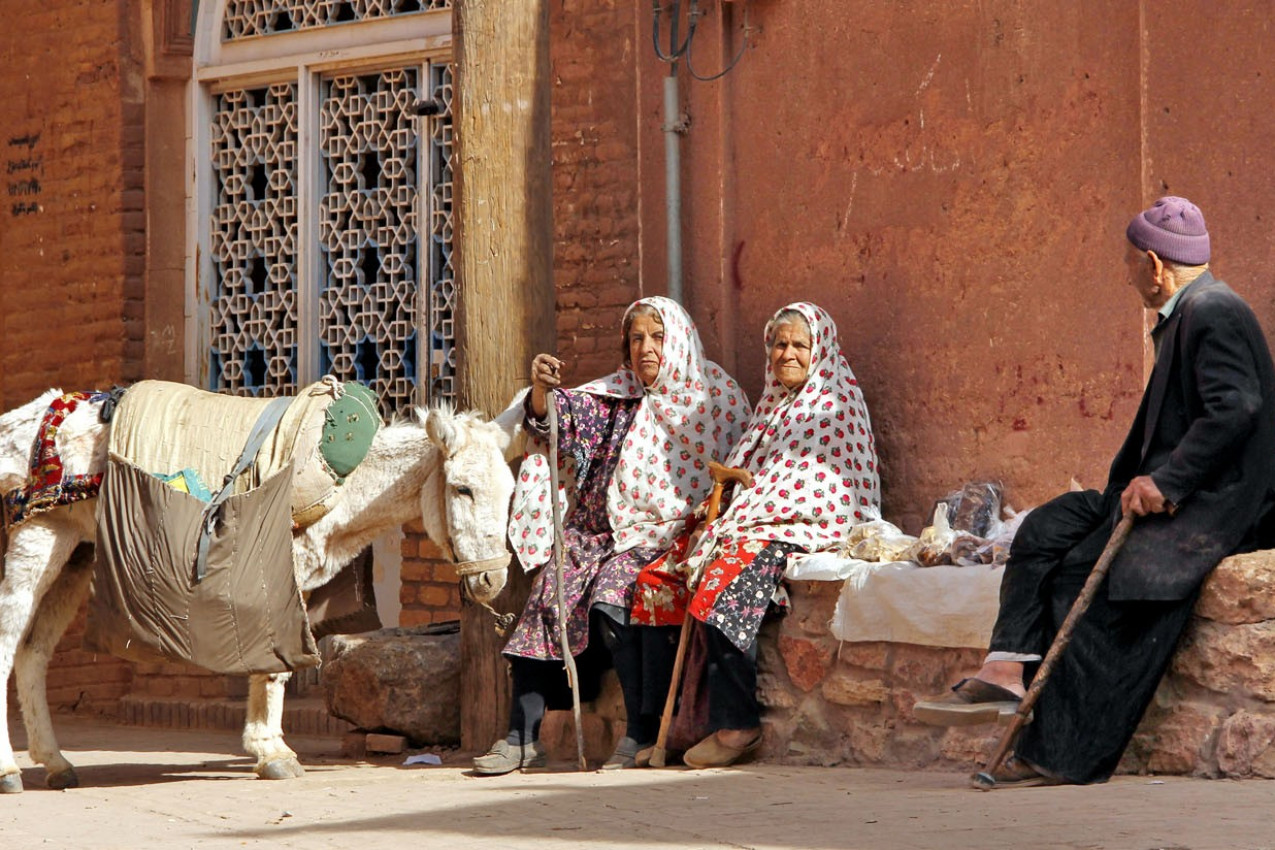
point(903, 602)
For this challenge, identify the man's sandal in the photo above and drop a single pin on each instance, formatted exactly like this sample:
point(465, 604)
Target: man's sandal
point(970, 702)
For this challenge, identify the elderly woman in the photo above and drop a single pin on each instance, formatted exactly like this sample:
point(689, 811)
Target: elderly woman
point(809, 447)
point(639, 441)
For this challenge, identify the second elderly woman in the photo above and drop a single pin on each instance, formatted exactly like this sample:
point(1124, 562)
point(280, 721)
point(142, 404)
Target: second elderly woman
point(637, 443)
point(810, 450)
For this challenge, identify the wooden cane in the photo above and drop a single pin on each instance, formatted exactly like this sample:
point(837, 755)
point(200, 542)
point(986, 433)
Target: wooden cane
point(559, 554)
point(984, 780)
point(721, 475)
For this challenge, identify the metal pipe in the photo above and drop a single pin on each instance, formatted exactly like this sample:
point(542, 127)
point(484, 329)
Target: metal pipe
point(673, 127)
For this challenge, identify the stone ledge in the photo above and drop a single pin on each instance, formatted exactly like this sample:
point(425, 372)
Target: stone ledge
point(851, 704)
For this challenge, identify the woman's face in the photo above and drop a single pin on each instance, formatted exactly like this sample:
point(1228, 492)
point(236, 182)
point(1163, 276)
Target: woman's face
point(790, 354)
point(646, 347)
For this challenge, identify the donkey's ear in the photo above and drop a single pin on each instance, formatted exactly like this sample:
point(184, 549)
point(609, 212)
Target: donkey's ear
point(442, 431)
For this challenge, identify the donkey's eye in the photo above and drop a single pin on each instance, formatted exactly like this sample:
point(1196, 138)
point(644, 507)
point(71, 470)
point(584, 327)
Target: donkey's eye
point(465, 491)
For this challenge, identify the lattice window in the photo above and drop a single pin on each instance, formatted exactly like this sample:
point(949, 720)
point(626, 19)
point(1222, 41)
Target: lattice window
point(380, 309)
point(441, 300)
point(369, 231)
point(245, 18)
point(253, 244)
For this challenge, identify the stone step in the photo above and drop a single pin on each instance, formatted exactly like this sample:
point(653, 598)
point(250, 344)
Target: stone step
point(301, 716)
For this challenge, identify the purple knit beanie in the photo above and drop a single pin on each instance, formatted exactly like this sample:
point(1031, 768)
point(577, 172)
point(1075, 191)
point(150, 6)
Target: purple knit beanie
point(1174, 229)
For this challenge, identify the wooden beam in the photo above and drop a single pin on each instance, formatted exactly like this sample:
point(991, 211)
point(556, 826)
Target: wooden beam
point(504, 269)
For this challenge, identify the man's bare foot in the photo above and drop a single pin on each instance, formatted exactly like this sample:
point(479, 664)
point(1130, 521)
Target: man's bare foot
point(1007, 674)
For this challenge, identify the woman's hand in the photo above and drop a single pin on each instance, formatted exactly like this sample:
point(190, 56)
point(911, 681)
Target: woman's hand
point(545, 375)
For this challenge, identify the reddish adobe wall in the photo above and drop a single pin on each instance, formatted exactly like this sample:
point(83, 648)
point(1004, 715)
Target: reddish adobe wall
point(595, 155)
point(71, 247)
point(1209, 86)
point(952, 182)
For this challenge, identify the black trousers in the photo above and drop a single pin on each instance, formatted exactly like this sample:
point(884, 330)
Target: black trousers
point(732, 683)
point(1108, 674)
point(643, 661)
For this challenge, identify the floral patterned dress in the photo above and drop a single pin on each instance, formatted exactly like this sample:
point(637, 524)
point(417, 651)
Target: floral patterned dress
point(814, 466)
point(640, 458)
point(590, 430)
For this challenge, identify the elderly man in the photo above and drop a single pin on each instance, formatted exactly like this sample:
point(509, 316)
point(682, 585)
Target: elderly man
point(1197, 469)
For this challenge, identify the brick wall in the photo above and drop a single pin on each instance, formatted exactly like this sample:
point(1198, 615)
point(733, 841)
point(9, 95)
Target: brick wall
point(72, 240)
point(595, 164)
point(429, 591)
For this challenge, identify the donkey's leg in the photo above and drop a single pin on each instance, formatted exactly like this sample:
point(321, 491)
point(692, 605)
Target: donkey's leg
point(57, 608)
point(32, 560)
point(263, 729)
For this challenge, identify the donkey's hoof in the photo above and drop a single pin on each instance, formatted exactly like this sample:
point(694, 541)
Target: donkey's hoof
point(63, 780)
point(11, 783)
point(281, 769)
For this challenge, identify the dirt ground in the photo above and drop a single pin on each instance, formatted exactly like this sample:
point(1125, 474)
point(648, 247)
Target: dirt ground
point(143, 788)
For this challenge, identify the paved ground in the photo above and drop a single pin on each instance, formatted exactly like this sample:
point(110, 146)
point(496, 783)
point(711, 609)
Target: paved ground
point(146, 788)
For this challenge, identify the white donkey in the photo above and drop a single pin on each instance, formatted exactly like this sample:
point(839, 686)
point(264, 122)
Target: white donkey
point(448, 469)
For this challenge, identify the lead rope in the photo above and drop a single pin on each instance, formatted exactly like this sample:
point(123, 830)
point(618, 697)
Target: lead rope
point(559, 560)
point(468, 568)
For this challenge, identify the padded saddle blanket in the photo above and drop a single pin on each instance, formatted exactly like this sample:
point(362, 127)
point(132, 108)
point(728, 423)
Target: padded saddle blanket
point(165, 428)
point(245, 613)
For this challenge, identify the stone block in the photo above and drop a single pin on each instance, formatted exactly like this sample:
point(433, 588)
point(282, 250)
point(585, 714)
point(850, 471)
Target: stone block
point(1234, 660)
point(1240, 590)
point(558, 734)
point(401, 681)
point(869, 742)
point(913, 748)
point(925, 669)
point(1244, 745)
point(869, 656)
point(1178, 739)
point(354, 745)
point(843, 687)
point(813, 603)
point(805, 660)
point(773, 692)
point(381, 743)
point(968, 746)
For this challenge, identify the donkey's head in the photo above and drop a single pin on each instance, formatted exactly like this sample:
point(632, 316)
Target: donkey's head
point(476, 491)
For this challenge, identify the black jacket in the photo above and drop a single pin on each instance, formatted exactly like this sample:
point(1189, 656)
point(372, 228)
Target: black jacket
point(1205, 433)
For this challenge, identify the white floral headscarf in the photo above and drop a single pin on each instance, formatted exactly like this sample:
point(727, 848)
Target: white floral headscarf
point(692, 413)
point(811, 452)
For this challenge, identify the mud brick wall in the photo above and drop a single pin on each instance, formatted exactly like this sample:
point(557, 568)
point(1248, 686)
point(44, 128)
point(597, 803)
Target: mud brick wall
point(72, 238)
point(595, 189)
point(429, 590)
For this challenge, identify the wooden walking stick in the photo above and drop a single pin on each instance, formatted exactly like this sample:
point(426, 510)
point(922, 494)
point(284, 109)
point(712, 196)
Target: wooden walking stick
point(559, 558)
point(984, 780)
point(721, 475)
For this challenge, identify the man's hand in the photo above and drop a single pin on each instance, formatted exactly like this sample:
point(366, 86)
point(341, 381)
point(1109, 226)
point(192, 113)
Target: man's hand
point(1143, 497)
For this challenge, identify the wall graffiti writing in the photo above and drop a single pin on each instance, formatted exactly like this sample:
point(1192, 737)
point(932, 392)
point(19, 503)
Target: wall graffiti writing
point(24, 168)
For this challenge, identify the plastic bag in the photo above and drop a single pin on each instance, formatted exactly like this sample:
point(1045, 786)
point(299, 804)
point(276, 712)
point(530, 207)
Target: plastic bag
point(931, 548)
point(975, 508)
point(877, 540)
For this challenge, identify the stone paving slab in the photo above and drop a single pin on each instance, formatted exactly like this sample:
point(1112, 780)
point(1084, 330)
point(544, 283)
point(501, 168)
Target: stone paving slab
point(145, 788)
